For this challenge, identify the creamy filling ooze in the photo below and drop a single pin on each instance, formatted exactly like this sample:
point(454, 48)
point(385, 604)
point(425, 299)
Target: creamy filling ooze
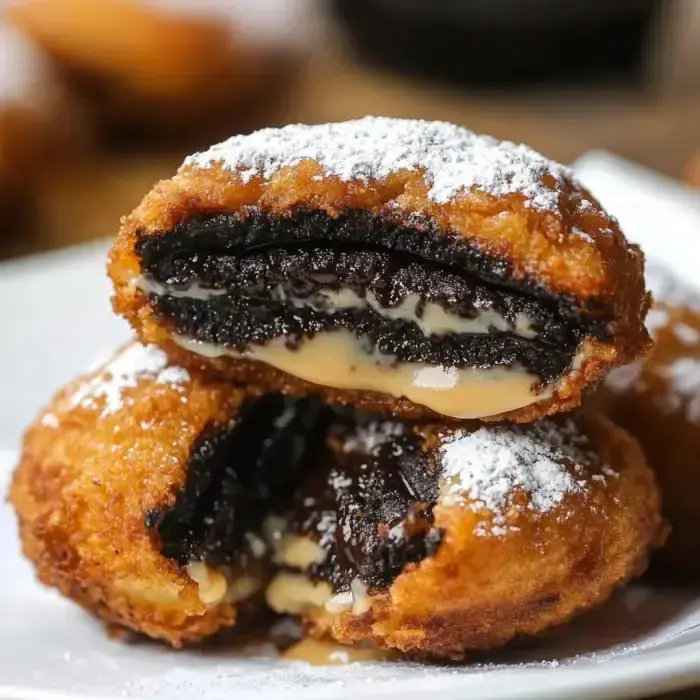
point(339, 360)
point(294, 592)
point(223, 584)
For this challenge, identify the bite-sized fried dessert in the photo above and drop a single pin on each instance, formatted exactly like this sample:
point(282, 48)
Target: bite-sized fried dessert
point(436, 541)
point(36, 116)
point(400, 266)
point(129, 493)
point(144, 60)
point(658, 401)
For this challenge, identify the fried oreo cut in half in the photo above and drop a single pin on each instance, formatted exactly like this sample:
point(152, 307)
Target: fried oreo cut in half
point(404, 267)
point(658, 401)
point(141, 493)
point(437, 541)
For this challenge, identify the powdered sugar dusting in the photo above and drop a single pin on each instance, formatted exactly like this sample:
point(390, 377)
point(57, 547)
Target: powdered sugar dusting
point(124, 371)
point(49, 420)
point(686, 334)
point(485, 468)
point(368, 438)
point(173, 375)
point(452, 159)
point(621, 379)
point(683, 373)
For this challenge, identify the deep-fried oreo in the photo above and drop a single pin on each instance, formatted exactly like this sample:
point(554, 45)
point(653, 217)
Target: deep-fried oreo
point(399, 266)
point(161, 500)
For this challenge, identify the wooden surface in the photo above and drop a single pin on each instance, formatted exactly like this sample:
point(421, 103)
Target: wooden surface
point(83, 199)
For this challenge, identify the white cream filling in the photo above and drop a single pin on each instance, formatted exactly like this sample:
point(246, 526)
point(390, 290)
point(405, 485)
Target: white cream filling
point(337, 359)
point(221, 585)
point(433, 320)
point(322, 652)
point(193, 291)
point(295, 593)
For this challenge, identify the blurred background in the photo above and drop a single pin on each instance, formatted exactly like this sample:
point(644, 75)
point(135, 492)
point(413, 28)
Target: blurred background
point(100, 98)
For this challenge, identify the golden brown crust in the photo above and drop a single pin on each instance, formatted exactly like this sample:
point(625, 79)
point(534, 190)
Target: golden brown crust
point(659, 403)
point(481, 591)
point(81, 490)
point(541, 246)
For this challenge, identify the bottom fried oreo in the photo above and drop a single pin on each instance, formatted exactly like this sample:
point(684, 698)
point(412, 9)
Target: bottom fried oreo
point(161, 501)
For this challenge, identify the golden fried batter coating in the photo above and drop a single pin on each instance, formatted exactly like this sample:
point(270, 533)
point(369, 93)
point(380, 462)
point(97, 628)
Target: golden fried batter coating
point(658, 401)
point(138, 61)
point(529, 526)
point(38, 118)
point(505, 204)
point(109, 447)
point(505, 568)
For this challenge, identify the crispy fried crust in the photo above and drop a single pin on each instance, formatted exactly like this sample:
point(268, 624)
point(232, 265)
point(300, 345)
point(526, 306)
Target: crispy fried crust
point(659, 402)
point(578, 251)
point(481, 591)
point(99, 457)
point(83, 485)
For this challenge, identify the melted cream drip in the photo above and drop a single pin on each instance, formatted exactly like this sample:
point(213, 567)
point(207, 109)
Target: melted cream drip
point(295, 594)
point(338, 360)
point(323, 652)
point(300, 552)
point(219, 585)
point(434, 319)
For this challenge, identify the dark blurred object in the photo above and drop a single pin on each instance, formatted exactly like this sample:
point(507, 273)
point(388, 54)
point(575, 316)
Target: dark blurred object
point(154, 67)
point(691, 174)
point(39, 121)
point(504, 41)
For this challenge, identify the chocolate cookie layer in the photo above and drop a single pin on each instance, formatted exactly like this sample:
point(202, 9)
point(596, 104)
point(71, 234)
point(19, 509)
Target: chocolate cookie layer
point(405, 308)
point(369, 505)
point(236, 476)
point(406, 295)
point(362, 490)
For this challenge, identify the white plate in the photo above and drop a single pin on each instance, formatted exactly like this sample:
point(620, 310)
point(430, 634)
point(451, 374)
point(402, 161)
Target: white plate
point(55, 320)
